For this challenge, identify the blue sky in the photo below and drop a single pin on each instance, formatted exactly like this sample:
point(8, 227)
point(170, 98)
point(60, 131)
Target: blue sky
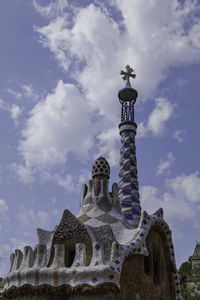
point(59, 78)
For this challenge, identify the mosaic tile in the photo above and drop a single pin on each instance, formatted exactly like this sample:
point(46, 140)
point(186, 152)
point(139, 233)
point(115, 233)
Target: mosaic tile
point(74, 271)
point(84, 218)
point(107, 218)
point(97, 247)
point(77, 264)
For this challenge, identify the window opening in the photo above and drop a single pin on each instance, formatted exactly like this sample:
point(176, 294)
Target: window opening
point(147, 268)
point(69, 257)
point(156, 266)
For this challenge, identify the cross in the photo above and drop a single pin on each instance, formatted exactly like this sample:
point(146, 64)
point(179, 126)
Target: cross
point(127, 75)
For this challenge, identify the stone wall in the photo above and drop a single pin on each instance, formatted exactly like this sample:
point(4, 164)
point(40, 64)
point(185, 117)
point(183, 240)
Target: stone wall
point(145, 279)
point(1, 284)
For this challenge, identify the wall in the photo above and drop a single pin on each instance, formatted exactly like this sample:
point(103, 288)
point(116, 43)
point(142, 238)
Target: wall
point(135, 284)
point(153, 281)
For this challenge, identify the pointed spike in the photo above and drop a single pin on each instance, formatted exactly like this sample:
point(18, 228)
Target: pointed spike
point(80, 256)
point(85, 190)
point(40, 256)
point(59, 256)
point(159, 213)
point(104, 188)
point(114, 251)
point(12, 258)
point(115, 191)
point(28, 259)
point(44, 236)
point(90, 186)
point(97, 255)
point(17, 260)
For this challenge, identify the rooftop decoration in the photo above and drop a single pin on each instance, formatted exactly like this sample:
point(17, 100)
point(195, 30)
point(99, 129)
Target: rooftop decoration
point(127, 96)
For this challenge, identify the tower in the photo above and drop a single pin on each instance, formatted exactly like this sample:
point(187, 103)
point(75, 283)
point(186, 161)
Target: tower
point(128, 178)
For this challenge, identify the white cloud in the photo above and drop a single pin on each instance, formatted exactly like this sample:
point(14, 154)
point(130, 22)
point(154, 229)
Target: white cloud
point(157, 119)
point(29, 92)
point(34, 218)
point(26, 90)
point(84, 176)
point(141, 130)
point(165, 164)
point(67, 182)
point(72, 183)
point(51, 10)
point(3, 206)
point(15, 112)
point(186, 187)
point(174, 209)
point(14, 93)
point(107, 145)
point(153, 40)
point(57, 126)
point(180, 201)
point(161, 113)
point(24, 173)
point(2, 105)
point(178, 135)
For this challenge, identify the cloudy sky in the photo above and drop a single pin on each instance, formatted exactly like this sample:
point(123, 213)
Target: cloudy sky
point(59, 79)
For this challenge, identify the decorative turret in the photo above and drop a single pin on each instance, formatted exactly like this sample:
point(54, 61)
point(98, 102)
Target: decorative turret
point(128, 179)
point(100, 170)
point(195, 258)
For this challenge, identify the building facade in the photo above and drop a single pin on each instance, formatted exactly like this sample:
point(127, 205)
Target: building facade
point(111, 249)
point(193, 279)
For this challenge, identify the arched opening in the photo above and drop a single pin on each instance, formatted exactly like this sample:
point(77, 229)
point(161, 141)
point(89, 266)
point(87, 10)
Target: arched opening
point(69, 255)
point(70, 251)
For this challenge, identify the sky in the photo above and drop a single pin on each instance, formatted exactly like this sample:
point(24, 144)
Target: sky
point(60, 65)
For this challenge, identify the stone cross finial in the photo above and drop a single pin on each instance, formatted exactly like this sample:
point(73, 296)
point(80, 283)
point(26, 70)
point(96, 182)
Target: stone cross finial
point(127, 75)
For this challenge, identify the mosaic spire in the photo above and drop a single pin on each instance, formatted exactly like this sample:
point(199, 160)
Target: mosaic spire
point(128, 178)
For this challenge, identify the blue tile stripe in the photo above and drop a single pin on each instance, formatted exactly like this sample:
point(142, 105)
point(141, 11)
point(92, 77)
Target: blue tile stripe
point(126, 204)
point(128, 179)
point(129, 217)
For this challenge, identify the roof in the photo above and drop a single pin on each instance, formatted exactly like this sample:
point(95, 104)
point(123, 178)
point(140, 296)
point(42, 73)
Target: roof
point(112, 239)
point(196, 253)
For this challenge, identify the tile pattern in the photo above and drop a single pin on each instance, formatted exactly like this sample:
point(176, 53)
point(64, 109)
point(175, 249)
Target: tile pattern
point(102, 209)
point(98, 271)
point(70, 226)
point(128, 178)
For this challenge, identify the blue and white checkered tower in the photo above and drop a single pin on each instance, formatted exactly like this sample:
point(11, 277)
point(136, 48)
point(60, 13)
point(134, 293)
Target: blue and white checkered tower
point(128, 178)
